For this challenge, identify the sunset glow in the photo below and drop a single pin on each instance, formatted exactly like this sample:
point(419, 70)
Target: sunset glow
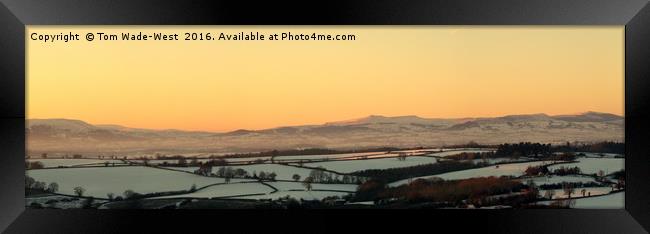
point(428, 71)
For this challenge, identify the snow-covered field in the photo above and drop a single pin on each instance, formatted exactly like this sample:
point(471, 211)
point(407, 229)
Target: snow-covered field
point(283, 172)
point(541, 180)
point(305, 195)
point(593, 165)
point(559, 193)
point(100, 181)
point(72, 162)
point(382, 163)
point(250, 159)
point(226, 190)
point(284, 186)
point(244, 189)
point(500, 160)
point(188, 160)
point(419, 150)
point(611, 201)
point(459, 151)
point(156, 162)
point(325, 156)
point(513, 169)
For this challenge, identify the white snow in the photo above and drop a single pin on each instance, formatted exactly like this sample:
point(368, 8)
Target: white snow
point(325, 156)
point(226, 190)
point(500, 160)
point(305, 195)
point(593, 165)
point(102, 180)
point(283, 186)
point(612, 201)
point(459, 151)
point(49, 163)
point(283, 172)
point(382, 163)
point(559, 193)
point(512, 169)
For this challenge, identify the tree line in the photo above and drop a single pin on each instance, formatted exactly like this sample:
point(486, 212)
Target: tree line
point(400, 173)
point(476, 191)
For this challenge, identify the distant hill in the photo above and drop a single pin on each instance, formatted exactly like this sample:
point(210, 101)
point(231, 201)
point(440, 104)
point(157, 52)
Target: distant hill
point(66, 135)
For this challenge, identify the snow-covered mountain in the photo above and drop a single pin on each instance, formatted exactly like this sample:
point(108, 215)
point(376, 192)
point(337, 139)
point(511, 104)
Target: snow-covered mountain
point(64, 135)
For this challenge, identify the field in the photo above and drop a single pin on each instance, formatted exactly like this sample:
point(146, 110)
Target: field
point(609, 201)
point(98, 182)
point(381, 163)
point(175, 183)
point(227, 190)
point(283, 172)
point(513, 169)
point(51, 163)
point(446, 153)
point(284, 186)
point(590, 165)
point(326, 156)
point(304, 195)
point(592, 191)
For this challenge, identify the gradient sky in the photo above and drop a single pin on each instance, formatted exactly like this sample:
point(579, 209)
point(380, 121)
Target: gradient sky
point(429, 71)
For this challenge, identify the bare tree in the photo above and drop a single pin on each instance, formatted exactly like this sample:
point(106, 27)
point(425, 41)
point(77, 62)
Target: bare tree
point(221, 172)
point(601, 174)
point(129, 194)
point(241, 173)
point(307, 183)
point(53, 187)
point(568, 189)
point(272, 176)
point(29, 182)
point(549, 194)
point(79, 191)
point(38, 185)
point(182, 162)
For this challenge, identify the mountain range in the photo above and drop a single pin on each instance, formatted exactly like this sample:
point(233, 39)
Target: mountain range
point(76, 136)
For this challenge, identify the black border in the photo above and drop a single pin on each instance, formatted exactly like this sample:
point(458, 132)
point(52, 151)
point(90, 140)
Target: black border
point(635, 15)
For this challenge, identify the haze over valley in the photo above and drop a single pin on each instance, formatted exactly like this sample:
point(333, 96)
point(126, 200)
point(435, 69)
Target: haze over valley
point(77, 136)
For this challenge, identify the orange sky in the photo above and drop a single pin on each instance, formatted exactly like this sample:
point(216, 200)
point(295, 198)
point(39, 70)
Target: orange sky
point(429, 71)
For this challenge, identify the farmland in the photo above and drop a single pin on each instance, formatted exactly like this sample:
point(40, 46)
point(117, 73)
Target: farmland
point(331, 178)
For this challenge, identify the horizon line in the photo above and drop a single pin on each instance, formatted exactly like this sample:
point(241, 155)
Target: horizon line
point(324, 123)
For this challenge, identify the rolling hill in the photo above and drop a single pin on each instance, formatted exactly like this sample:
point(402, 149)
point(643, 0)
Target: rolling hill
point(70, 136)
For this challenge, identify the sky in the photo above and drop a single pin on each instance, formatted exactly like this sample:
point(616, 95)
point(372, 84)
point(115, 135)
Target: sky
point(428, 71)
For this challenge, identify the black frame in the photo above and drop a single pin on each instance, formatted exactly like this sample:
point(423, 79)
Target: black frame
point(634, 14)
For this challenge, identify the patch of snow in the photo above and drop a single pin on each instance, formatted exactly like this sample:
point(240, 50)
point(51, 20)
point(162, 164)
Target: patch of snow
point(512, 169)
point(593, 165)
point(349, 166)
point(305, 195)
point(226, 190)
point(100, 181)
